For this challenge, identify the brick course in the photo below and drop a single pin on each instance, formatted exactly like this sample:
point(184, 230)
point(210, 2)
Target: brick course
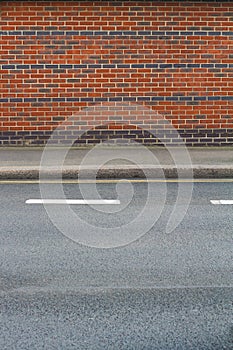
point(174, 58)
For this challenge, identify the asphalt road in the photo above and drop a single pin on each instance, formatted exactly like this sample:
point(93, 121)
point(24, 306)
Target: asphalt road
point(162, 291)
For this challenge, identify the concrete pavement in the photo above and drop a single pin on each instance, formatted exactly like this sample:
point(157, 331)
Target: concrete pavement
point(205, 162)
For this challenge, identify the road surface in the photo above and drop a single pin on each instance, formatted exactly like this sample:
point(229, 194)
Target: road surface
point(162, 291)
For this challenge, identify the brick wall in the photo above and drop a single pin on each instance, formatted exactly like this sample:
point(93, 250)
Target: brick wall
point(174, 58)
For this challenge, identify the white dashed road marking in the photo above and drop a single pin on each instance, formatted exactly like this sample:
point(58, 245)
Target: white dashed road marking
point(222, 201)
point(73, 201)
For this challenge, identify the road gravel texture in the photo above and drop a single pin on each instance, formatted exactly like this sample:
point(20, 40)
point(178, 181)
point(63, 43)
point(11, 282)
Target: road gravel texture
point(163, 291)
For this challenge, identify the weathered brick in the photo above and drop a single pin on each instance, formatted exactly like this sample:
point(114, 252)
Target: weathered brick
point(172, 59)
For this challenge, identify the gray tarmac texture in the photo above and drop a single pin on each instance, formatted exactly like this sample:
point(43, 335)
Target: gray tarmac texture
point(163, 291)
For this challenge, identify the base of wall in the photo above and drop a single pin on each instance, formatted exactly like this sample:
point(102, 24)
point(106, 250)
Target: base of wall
point(191, 137)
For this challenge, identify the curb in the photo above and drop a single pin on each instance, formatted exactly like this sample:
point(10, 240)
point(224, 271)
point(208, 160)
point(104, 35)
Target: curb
point(117, 172)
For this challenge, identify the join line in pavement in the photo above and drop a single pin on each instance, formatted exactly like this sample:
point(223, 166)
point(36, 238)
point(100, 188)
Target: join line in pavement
point(73, 201)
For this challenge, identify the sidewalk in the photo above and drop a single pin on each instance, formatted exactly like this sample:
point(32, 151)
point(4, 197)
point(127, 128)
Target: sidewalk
point(24, 163)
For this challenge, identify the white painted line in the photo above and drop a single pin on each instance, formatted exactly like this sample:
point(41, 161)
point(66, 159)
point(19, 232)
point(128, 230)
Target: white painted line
point(73, 201)
point(222, 201)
